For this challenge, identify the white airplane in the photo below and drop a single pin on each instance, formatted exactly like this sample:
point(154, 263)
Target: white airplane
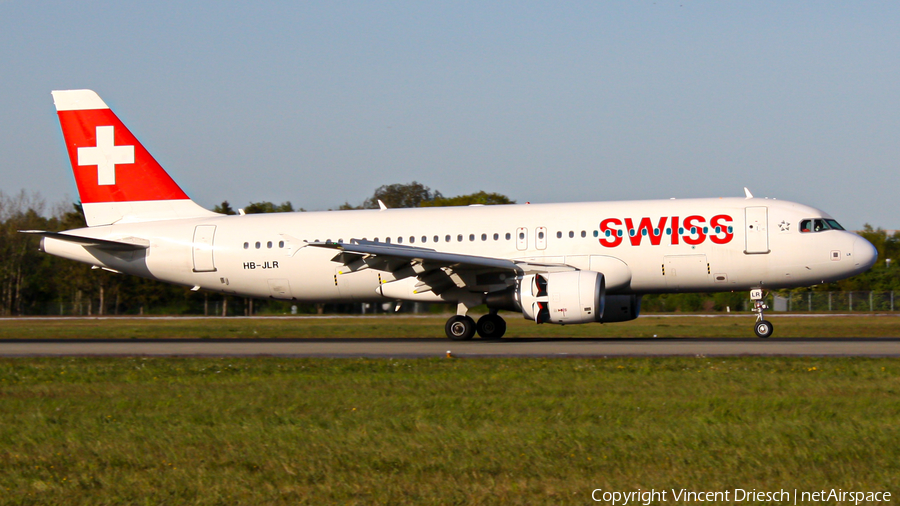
point(553, 263)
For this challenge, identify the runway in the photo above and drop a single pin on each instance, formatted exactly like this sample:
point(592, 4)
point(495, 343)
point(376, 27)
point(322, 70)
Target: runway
point(419, 348)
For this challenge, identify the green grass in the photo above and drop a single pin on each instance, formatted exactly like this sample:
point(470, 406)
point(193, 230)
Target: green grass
point(433, 326)
point(439, 431)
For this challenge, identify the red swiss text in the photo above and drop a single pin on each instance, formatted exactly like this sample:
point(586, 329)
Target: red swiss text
point(673, 230)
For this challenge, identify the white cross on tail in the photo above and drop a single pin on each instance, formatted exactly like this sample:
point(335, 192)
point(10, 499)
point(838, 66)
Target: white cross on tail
point(105, 156)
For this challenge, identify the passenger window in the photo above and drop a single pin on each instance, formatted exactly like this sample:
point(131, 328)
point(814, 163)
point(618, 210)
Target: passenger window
point(540, 235)
point(280, 244)
point(269, 244)
point(484, 237)
point(412, 239)
point(258, 244)
point(436, 239)
point(246, 245)
point(508, 236)
point(571, 234)
point(447, 238)
point(471, 237)
point(583, 233)
point(496, 236)
point(399, 240)
point(459, 238)
point(559, 235)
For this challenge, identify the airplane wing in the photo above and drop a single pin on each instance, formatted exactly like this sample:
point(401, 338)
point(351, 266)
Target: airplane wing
point(437, 271)
point(127, 244)
point(391, 253)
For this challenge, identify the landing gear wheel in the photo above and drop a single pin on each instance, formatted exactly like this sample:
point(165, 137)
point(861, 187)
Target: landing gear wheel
point(491, 326)
point(763, 329)
point(460, 328)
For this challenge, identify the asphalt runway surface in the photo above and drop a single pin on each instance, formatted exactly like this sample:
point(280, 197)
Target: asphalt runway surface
point(439, 347)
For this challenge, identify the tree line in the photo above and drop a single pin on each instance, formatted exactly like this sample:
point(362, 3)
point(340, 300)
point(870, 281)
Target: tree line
point(33, 283)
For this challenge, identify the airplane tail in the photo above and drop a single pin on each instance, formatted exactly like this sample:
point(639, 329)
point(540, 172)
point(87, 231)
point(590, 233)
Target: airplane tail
point(118, 180)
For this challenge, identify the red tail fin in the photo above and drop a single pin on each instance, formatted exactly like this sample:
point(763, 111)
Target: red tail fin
point(117, 178)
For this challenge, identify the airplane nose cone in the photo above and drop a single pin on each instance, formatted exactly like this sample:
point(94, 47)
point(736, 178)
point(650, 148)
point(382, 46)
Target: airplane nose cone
point(864, 254)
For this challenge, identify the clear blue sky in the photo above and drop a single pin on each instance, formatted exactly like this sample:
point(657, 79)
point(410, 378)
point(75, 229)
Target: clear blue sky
point(321, 102)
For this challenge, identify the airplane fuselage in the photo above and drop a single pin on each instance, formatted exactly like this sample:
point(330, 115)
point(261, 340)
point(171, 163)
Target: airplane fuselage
point(689, 245)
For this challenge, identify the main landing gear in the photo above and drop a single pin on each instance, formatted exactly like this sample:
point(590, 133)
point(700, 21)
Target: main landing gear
point(763, 328)
point(489, 326)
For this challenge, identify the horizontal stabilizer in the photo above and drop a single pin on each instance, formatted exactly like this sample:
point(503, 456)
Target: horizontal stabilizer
point(126, 244)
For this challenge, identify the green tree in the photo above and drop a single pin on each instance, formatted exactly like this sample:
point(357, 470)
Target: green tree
point(401, 195)
point(888, 246)
point(18, 285)
point(224, 208)
point(268, 207)
point(479, 198)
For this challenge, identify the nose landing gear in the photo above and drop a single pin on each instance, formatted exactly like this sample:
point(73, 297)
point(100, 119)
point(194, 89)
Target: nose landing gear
point(763, 328)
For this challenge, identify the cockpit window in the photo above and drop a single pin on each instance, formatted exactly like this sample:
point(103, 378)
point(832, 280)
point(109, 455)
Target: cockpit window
point(834, 224)
point(819, 225)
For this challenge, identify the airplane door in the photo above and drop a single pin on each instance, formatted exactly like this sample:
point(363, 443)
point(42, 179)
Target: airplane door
point(540, 238)
point(756, 230)
point(203, 248)
point(521, 238)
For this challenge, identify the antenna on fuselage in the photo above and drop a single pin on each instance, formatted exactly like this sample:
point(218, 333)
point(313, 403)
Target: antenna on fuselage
point(747, 193)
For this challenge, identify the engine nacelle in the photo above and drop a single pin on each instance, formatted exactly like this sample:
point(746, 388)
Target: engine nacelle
point(621, 308)
point(563, 297)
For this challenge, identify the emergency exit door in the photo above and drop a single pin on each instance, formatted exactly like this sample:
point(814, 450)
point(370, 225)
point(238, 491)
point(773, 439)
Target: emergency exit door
point(203, 248)
point(521, 238)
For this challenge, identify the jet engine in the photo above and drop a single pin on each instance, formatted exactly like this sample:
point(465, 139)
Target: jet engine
point(566, 298)
point(621, 308)
point(562, 297)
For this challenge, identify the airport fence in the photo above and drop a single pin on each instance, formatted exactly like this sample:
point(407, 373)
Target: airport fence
point(823, 302)
point(781, 302)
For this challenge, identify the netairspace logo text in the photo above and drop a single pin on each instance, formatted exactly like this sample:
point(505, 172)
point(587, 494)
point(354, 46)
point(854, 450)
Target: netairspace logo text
point(647, 497)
